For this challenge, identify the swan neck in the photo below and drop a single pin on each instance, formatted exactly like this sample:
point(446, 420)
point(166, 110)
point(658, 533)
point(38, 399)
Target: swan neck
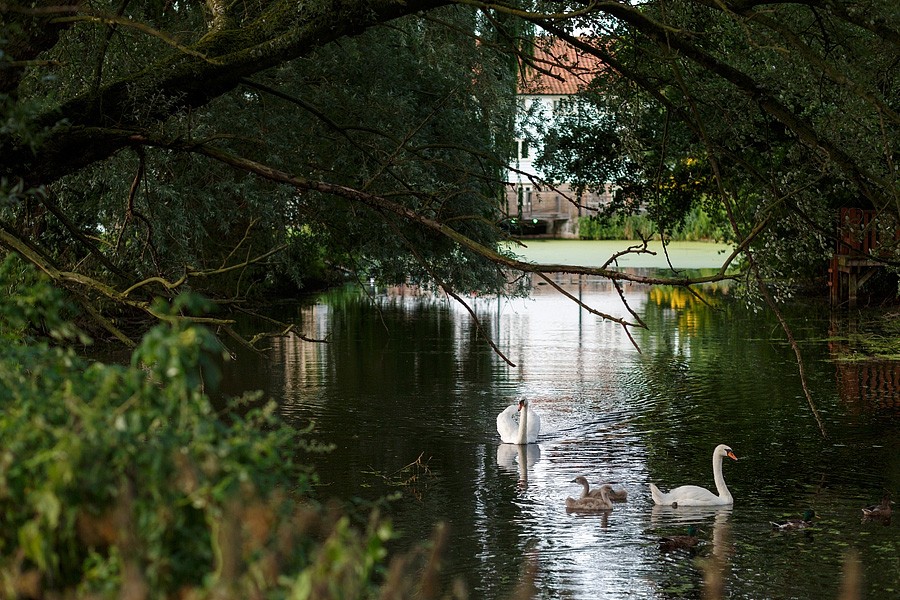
point(587, 489)
point(720, 479)
point(523, 425)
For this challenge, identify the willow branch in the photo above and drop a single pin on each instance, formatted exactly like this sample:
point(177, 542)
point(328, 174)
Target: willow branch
point(104, 322)
point(667, 37)
point(81, 237)
point(286, 328)
point(86, 282)
point(132, 192)
point(380, 202)
point(112, 20)
point(835, 74)
point(763, 288)
point(449, 291)
point(625, 324)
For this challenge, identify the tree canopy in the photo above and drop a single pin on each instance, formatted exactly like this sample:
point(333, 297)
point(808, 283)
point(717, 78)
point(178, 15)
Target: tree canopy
point(223, 146)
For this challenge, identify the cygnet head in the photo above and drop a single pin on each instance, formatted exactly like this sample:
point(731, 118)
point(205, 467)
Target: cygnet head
point(580, 479)
point(724, 450)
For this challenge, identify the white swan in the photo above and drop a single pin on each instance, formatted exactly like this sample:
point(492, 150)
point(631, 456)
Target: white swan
point(521, 430)
point(693, 495)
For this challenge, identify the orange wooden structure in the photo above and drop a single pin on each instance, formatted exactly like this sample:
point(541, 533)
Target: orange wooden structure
point(864, 237)
point(870, 385)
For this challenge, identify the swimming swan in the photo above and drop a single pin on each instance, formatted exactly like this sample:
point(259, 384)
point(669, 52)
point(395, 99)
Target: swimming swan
point(614, 495)
point(590, 503)
point(692, 495)
point(523, 430)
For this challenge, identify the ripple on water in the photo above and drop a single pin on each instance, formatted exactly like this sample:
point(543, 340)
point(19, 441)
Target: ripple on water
point(609, 414)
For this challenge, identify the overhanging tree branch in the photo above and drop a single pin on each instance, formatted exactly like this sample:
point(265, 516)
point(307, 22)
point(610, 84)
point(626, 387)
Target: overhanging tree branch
point(410, 215)
point(191, 77)
point(868, 183)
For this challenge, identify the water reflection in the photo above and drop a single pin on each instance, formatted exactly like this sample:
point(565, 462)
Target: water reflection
point(518, 459)
point(865, 385)
point(412, 375)
point(713, 522)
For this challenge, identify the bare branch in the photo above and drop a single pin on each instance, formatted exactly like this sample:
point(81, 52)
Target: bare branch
point(625, 324)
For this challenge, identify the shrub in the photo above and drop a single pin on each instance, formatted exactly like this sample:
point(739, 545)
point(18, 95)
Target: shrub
point(121, 481)
point(697, 225)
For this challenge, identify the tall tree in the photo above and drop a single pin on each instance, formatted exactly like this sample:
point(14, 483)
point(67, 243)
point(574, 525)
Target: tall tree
point(791, 109)
point(148, 148)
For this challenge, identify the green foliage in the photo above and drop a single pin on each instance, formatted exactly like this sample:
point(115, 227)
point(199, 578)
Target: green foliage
point(33, 306)
point(98, 456)
point(122, 481)
point(776, 114)
point(629, 227)
point(394, 111)
point(697, 225)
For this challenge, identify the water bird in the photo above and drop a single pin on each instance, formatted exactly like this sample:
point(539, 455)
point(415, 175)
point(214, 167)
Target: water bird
point(521, 430)
point(792, 524)
point(879, 511)
point(620, 495)
point(693, 495)
point(591, 503)
point(674, 542)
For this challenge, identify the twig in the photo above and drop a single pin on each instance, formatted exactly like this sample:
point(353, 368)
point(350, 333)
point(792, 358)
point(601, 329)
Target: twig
point(625, 324)
point(763, 288)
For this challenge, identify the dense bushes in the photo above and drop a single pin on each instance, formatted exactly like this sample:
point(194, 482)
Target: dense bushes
point(697, 225)
point(122, 481)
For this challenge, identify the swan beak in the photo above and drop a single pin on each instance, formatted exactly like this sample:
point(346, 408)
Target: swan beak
point(731, 455)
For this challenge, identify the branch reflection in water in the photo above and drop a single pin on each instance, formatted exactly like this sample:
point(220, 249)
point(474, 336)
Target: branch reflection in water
point(410, 375)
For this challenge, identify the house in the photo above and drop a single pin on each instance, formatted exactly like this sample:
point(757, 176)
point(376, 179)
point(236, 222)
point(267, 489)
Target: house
point(547, 86)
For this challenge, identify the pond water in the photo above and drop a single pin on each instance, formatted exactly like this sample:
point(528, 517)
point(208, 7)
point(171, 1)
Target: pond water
point(407, 376)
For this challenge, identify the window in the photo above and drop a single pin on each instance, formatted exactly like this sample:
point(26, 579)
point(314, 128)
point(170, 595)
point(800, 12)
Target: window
point(522, 149)
point(525, 198)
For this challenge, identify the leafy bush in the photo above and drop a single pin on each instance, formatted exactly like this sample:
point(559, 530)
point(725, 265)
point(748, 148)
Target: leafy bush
point(697, 225)
point(122, 481)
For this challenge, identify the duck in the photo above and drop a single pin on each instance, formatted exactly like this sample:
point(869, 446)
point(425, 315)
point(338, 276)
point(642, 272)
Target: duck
point(522, 430)
point(674, 542)
point(879, 511)
point(792, 524)
point(693, 495)
point(591, 503)
point(620, 495)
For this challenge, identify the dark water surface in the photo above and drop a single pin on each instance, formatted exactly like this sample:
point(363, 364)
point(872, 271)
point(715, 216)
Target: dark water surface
point(409, 376)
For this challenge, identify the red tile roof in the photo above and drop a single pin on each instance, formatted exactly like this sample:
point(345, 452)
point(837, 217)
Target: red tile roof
point(557, 68)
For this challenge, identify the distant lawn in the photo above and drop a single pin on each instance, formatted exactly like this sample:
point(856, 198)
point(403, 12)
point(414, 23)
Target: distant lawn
point(593, 253)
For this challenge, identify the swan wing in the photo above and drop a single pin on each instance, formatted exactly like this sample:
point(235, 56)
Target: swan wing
point(507, 425)
point(690, 495)
point(534, 426)
point(587, 504)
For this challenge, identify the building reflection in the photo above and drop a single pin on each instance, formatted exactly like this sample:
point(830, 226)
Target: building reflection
point(870, 385)
point(867, 385)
